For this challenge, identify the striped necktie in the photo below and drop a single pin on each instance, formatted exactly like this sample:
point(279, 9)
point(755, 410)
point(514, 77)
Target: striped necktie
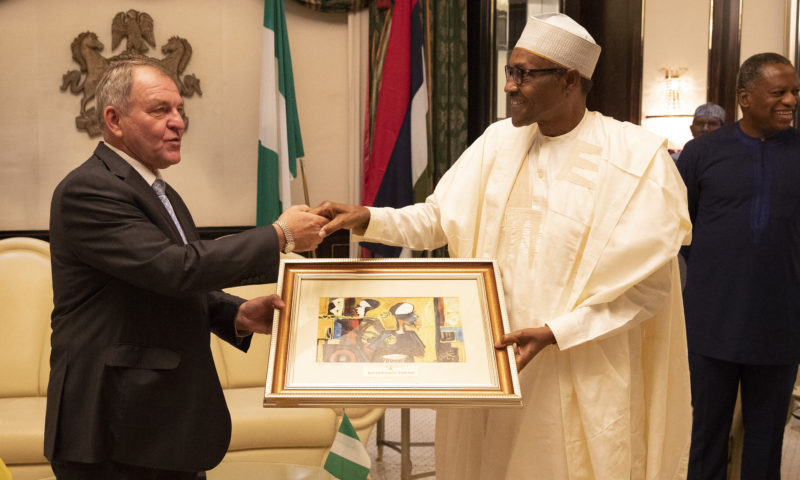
point(159, 186)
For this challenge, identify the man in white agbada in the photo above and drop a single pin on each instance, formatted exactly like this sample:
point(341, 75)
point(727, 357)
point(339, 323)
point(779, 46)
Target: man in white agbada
point(585, 216)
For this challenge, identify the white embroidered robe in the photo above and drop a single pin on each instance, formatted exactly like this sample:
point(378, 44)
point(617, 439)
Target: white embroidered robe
point(587, 244)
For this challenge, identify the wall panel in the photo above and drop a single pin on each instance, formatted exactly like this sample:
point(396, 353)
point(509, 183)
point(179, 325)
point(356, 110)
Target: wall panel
point(39, 143)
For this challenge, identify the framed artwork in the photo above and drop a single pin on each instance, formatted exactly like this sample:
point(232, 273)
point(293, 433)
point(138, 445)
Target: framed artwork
point(390, 332)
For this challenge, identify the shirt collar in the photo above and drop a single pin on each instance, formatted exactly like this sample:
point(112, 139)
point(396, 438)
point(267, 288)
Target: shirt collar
point(777, 137)
point(140, 167)
point(565, 136)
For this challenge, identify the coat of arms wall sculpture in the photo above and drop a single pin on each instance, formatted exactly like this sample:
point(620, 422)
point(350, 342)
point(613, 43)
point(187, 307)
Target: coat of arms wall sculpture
point(137, 28)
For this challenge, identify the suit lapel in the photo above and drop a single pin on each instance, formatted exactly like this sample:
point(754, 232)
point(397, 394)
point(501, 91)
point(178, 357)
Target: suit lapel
point(151, 204)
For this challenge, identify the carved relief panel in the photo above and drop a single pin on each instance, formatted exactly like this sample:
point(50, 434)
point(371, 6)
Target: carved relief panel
point(137, 30)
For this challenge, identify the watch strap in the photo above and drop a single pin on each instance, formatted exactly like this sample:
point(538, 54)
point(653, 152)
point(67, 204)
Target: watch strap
point(288, 245)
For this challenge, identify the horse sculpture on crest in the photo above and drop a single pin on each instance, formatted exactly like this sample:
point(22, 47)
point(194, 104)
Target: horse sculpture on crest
point(86, 48)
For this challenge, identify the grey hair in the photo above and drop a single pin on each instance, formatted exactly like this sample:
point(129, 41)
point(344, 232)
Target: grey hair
point(114, 87)
point(750, 71)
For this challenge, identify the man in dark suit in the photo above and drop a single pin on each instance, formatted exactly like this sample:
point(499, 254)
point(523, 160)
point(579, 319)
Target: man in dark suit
point(133, 390)
point(742, 295)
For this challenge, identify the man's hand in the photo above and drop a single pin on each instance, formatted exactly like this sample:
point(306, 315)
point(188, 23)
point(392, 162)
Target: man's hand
point(527, 343)
point(353, 217)
point(304, 226)
point(256, 315)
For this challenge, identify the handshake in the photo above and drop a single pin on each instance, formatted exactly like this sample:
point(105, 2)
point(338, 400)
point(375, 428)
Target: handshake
point(308, 227)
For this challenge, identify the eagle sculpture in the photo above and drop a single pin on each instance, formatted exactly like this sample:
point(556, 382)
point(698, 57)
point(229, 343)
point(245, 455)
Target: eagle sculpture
point(137, 27)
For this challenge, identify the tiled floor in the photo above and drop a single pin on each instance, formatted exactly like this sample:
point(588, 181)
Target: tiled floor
point(790, 465)
point(423, 422)
point(422, 428)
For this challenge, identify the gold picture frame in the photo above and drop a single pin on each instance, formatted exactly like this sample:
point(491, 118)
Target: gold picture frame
point(390, 332)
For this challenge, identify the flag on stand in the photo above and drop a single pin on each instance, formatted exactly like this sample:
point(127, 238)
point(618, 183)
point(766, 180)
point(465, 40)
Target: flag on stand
point(348, 459)
point(279, 141)
point(399, 152)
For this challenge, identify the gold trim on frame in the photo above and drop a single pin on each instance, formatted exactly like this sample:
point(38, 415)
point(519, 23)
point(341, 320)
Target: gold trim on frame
point(505, 393)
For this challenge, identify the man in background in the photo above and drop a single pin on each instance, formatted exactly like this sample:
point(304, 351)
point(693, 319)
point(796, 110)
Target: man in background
point(585, 216)
point(742, 293)
point(133, 390)
point(707, 118)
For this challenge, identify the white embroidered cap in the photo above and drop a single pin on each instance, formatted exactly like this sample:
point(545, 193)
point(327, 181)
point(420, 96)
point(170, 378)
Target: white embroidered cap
point(560, 39)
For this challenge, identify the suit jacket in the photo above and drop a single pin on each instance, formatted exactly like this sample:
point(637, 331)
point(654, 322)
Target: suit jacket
point(132, 378)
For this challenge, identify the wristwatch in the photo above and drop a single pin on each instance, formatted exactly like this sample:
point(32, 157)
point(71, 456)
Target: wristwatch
point(288, 245)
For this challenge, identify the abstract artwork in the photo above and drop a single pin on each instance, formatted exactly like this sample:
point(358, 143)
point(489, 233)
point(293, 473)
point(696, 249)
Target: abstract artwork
point(389, 330)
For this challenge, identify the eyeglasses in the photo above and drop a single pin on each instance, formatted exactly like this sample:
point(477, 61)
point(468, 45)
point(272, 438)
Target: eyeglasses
point(520, 74)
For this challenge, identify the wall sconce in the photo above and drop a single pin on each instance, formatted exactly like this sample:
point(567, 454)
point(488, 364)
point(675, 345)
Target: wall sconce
point(672, 84)
point(666, 117)
point(672, 88)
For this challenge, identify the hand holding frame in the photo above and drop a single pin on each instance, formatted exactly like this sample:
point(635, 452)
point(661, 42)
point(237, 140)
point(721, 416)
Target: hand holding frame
point(527, 342)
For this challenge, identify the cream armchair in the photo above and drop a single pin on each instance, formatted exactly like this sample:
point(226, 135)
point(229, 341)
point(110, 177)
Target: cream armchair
point(26, 300)
point(283, 435)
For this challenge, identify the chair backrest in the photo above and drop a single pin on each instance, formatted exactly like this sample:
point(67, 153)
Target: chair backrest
point(26, 302)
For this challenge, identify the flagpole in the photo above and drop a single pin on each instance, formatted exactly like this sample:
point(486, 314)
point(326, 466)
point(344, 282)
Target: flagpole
point(305, 194)
point(305, 185)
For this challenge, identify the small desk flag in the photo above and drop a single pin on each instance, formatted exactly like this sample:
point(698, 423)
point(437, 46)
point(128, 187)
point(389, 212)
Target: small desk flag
point(348, 459)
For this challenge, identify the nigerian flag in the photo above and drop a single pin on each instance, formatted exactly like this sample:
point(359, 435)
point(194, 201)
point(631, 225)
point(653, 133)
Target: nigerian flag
point(348, 459)
point(279, 142)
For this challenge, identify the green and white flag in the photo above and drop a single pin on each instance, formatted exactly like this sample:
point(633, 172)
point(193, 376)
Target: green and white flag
point(348, 459)
point(279, 141)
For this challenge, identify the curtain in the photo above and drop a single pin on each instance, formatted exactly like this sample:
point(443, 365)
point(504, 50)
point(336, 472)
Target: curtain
point(445, 30)
point(445, 25)
point(445, 45)
point(334, 6)
point(447, 53)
